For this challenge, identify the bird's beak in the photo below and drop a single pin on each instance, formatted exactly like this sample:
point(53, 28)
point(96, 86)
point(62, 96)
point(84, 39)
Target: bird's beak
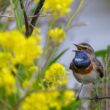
point(78, 46)
point(75, 45)
point(76, 50)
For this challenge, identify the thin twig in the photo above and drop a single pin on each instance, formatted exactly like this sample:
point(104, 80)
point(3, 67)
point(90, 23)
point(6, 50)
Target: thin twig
point(76, 25)
point(40, 15)
point(34, 19)
point(81, 4)
point(8, 16)
point(25, 18)
point(96, 98)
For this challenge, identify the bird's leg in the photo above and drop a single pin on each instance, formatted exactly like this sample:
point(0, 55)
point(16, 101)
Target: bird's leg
point(79, 91)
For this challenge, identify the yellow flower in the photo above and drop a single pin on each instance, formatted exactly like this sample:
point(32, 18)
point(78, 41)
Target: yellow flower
point(52, 100)
point(61, 7)
point(57, 35)
point(24, 28)
point(48, 100)
point(27, 83)
point(22, 50)
point(28, 52)
point(33, 68)
point(7, 81)
point(55, 76)
point(11, 39)
point(69, 95)
point(5, 59)
point(35, 102)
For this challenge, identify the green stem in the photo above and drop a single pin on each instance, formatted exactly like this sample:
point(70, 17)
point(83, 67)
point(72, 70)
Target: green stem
point(51, 55)
point(75, 14)
point(16, 15)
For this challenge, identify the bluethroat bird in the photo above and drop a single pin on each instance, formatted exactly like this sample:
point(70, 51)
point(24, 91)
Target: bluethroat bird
point(85, 66)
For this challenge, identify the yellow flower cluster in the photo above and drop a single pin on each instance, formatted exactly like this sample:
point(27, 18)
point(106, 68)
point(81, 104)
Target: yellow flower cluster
point(61, 7)
point(48, 100)
point(55, 76)
point(5, 59)
point(57, 35)
point(7, 81)
point(15, 49)
point(22, 50)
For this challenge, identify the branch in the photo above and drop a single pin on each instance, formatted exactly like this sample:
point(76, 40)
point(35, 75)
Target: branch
point(36, 14)
point(96, 98)
point(25, 18)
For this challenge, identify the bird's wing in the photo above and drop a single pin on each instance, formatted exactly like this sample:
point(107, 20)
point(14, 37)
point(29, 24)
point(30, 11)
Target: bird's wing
point(99, 68)
point(71, 65)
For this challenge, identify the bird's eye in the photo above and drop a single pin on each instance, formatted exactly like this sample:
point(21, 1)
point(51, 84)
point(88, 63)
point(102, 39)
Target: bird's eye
point(85, 48)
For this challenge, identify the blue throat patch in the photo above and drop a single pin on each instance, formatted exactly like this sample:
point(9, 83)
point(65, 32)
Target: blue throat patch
point(81, 60)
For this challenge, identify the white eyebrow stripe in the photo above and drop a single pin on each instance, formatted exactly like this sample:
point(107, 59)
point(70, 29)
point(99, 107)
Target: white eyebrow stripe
point(84, 46)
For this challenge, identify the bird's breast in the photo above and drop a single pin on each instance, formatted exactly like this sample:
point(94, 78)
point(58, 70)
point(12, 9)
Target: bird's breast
point(83, 71)
point(87, 78)
point(86, 75)
point(81, 63)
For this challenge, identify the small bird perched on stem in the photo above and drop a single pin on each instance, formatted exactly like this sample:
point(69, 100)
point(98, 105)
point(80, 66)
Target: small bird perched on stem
point(85, 66)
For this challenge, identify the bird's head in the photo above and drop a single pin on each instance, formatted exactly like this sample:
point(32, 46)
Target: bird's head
point(85, 48)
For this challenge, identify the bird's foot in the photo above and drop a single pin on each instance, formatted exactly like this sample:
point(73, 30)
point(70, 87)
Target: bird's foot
point(96, 98)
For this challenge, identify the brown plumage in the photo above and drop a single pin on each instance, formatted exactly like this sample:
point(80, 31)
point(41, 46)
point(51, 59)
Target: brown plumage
point(81, 71)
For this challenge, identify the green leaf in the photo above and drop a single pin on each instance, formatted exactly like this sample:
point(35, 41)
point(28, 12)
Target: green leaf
point(72, 106)
point(21, 75)
point(1, 25)
point(104, 52)
point(57, 57)
point(108, 50)
point(18, 13)
point(41, 73)
point(13, 100)
point(101, 53)
point(75, 13)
